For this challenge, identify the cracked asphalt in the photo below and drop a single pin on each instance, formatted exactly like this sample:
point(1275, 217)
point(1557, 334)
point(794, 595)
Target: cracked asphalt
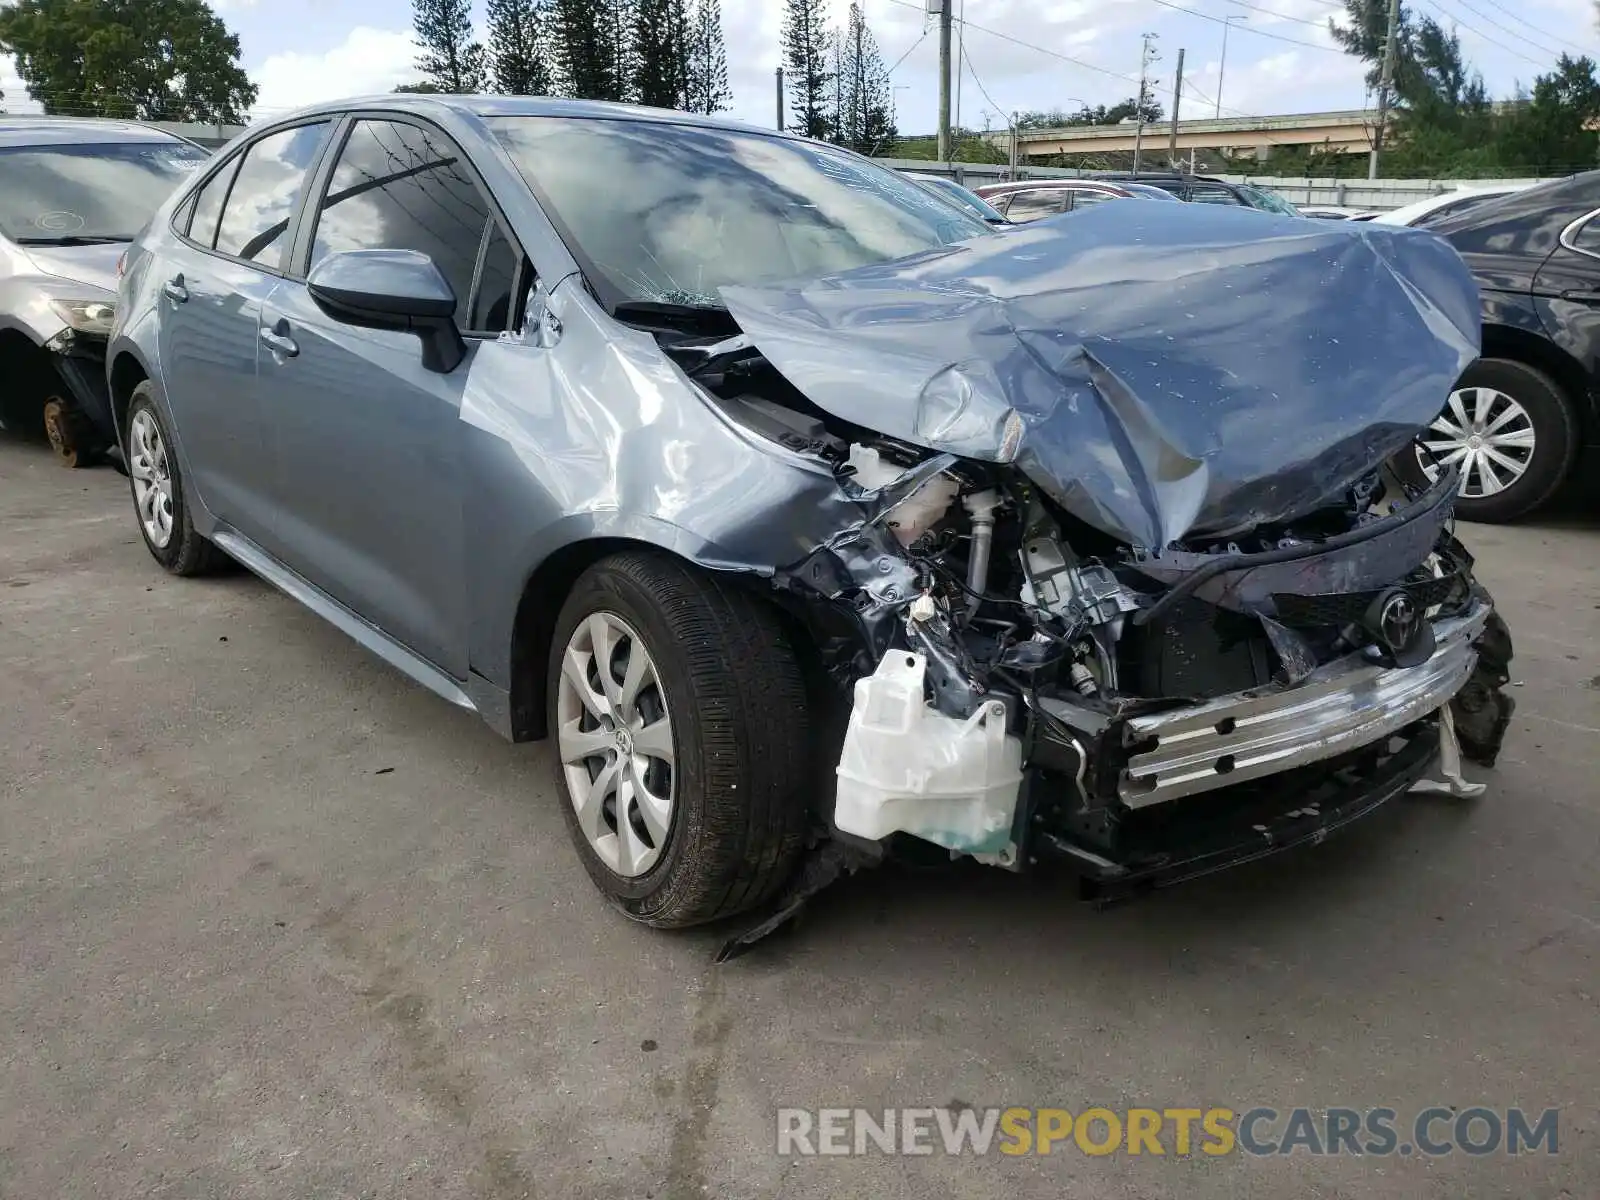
point(275, 922)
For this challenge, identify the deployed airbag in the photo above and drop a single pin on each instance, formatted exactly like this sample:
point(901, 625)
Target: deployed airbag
point(1161, 371)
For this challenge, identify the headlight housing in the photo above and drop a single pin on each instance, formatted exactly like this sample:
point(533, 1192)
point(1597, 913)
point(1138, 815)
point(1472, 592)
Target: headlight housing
point(93, 317)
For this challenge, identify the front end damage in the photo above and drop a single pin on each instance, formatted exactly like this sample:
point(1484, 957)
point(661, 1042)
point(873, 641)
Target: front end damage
point(59, 386)
point(1132, 586)
point(1030, 701)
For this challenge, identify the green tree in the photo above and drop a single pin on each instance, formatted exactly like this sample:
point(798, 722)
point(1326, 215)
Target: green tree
point(519, 62)
point(448, 56)
point(1551, 129)
point(592, 48)
point(805, 40)
point(158, 60)
point(660, 58)
point(708, 90)
point(1099, 114)
point(864, 118)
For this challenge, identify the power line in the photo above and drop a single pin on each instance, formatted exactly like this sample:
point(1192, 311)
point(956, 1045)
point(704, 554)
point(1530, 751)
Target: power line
point(1503, 28)
point(967, 58)
point(1281, 16)
point(1277, 37)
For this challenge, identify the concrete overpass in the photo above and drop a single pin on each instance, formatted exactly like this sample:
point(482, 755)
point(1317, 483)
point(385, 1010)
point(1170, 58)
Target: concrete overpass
point(1348, 131)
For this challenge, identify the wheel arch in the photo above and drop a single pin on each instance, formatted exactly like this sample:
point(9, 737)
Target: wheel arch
point(125, 373)
point(546, 590)
point(1567, 373)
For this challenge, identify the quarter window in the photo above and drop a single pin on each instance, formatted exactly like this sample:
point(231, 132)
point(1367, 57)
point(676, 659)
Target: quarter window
point(403, 187)
point(208, 206)
point(1587, 237)
point(256, 215)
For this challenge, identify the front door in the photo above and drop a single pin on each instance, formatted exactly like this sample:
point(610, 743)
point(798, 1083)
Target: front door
point(366, 440)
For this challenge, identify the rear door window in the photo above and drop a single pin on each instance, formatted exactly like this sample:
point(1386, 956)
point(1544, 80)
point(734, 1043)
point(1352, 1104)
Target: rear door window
point(1086, 198)
point(1211, 193)
point(1032, 205)
point(265, 192)
point(398, 186)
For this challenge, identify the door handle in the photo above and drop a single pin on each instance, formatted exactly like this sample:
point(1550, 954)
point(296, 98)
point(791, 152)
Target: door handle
point(1582, 297)
point(175, 290)
point(280, 342)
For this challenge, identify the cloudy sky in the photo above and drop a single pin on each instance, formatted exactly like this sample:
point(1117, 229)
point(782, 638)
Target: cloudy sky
point(1018, 54)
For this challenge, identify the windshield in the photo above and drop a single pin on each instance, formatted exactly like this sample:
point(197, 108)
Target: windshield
point(665, 213)
point(1262, 199)
point(77, 193)
point(952, 190)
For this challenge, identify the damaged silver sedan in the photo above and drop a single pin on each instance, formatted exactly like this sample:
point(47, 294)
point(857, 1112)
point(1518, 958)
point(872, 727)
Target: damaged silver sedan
point(807, 516)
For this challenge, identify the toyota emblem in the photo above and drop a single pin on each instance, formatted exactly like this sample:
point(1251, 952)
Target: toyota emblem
point(1397, 620)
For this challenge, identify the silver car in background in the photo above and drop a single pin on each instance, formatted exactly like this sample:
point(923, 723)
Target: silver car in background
point(73, 193)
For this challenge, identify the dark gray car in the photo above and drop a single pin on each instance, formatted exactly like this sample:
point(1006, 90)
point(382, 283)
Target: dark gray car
point(805, 514)
point(73, 193)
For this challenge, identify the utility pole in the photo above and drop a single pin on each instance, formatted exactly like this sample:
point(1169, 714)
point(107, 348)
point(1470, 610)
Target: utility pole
point(1145, 59)
point(1015, 161)
point(1385, 83)
point(1177, 94)
point(944, 80)
point(960, 55)
point(1222, 66)
point(780, 99)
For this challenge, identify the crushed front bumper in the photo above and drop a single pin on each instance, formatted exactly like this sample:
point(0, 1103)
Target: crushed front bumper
point(1348, 703)
point(1165, 845)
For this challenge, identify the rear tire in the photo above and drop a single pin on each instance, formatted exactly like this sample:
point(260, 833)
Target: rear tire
point(153, 463)
point(722, 668)
point(1547, 417)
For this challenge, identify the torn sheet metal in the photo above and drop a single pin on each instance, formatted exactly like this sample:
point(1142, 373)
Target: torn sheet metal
point(1373, 562)
point(1159, 370)
point(1453, 783)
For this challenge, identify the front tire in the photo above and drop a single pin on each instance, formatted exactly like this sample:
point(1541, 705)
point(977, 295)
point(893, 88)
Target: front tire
point(678, 712)
point(1513, 434)
point(159, 502)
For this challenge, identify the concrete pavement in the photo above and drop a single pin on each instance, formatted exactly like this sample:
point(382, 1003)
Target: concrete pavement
point(277, 923)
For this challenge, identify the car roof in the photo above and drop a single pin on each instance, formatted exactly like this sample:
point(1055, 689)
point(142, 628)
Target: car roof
point(35, 130)
point(1017, 184)
point(425, 103)
point(1421, 208)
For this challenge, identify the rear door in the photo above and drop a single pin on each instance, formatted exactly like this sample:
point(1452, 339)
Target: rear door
point(367, 441)
point(233, 239)
point(1567, 290)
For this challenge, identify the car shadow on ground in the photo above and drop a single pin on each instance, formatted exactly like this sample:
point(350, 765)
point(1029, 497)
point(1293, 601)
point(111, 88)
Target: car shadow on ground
point(1272, 901)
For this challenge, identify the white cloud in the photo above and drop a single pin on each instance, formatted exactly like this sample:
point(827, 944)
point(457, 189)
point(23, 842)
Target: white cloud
point(16, 92)
point(368, 60)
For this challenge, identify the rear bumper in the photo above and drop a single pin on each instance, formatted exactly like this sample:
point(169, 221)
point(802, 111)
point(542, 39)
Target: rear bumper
point(1346, 704)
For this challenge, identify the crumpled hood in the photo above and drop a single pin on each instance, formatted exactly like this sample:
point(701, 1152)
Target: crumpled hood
point(1159, 370)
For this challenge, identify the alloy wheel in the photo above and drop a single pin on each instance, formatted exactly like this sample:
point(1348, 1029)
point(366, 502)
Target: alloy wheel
point(1485, 433)
point(615, 742)
point(151, 471)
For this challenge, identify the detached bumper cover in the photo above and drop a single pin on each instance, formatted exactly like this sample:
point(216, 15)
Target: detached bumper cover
point(1341, 706)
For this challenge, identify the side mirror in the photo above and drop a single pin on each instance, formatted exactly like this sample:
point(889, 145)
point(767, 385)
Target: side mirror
point(392, 289)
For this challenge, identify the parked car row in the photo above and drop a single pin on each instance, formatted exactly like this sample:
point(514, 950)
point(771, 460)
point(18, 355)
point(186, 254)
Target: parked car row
point(807, 512)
